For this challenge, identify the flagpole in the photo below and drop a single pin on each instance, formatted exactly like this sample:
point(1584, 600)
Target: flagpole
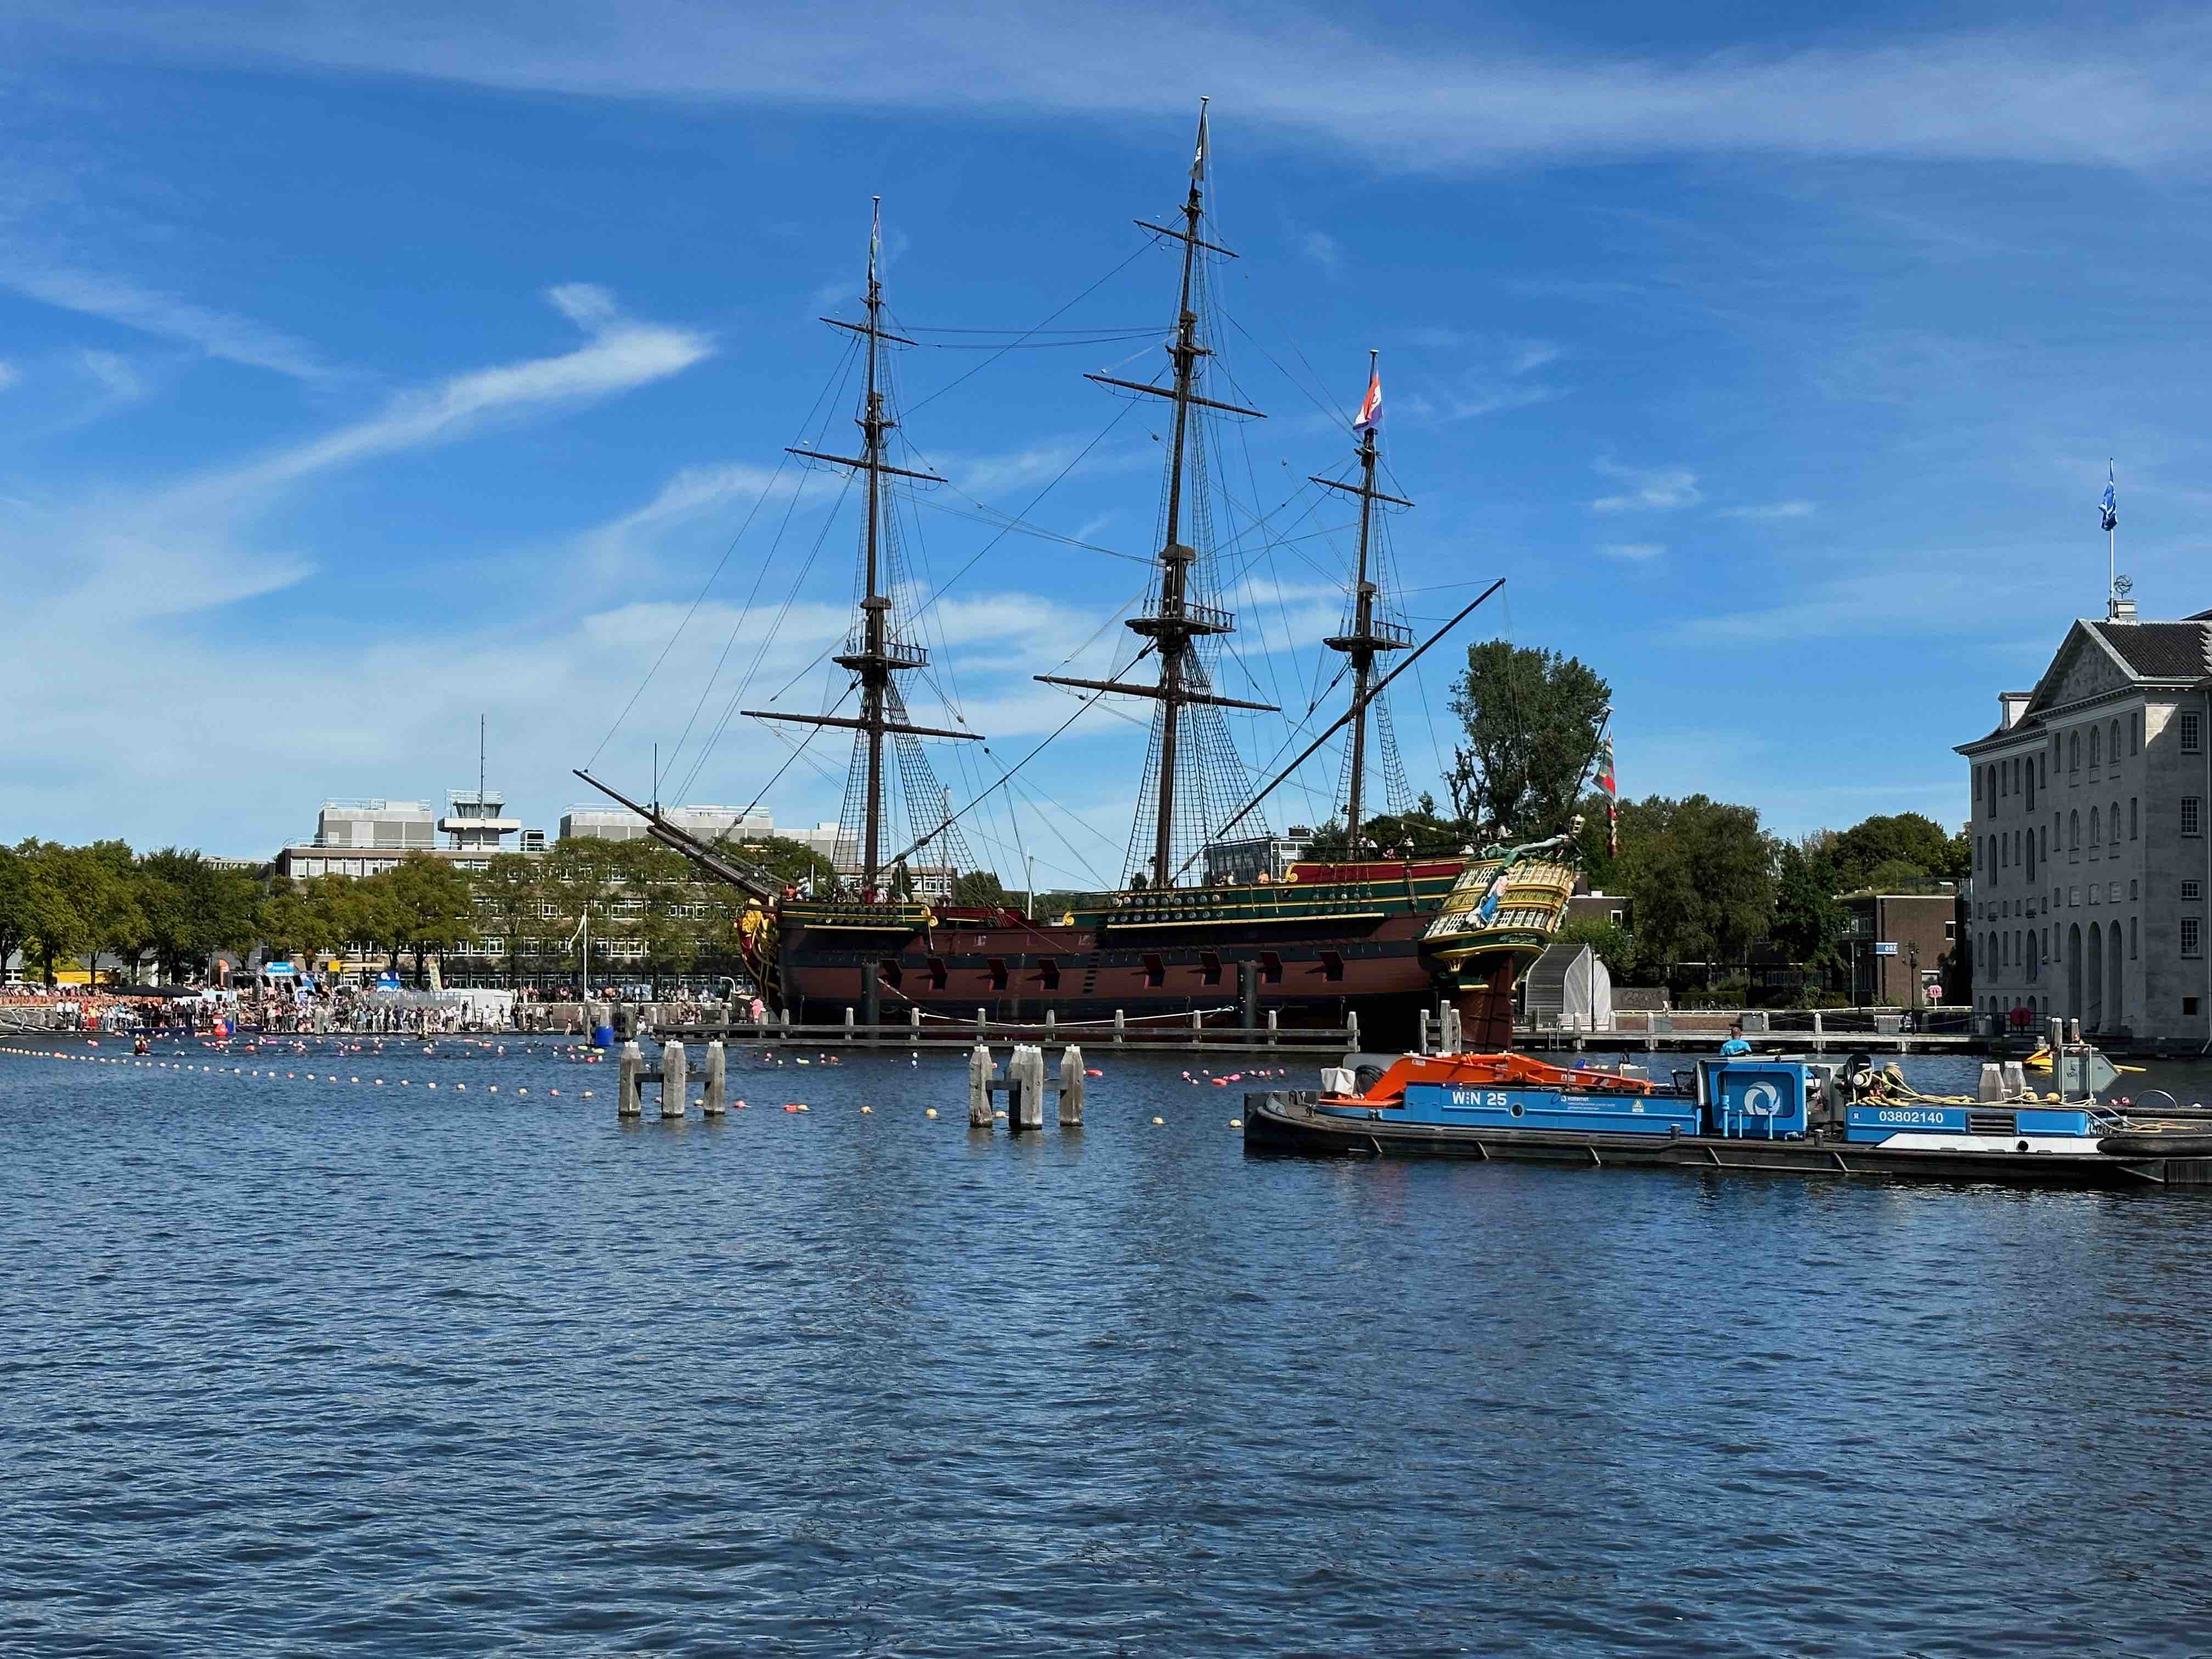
point(2111, 546)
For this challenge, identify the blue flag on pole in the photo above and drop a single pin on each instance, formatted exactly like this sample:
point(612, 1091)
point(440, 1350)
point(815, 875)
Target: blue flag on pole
point(2109, 505)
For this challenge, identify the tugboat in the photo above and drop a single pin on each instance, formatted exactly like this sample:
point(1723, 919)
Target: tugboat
point(1764, 1114)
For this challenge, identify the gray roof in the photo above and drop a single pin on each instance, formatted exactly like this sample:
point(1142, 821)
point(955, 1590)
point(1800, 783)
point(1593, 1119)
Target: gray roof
point(2157, 650)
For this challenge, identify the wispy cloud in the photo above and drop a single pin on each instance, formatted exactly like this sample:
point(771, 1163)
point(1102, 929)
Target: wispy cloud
point(8, 374)
point(620, 355)
point(1770, 512)
point(218, 333)
point(1633, 552)
point(1650, 489)
point(1325, 250)
point(2127, 96)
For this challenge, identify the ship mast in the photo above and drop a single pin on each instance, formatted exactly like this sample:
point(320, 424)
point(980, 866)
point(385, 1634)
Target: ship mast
point(1367, 637)
point(871, 654)
point(1177, 621)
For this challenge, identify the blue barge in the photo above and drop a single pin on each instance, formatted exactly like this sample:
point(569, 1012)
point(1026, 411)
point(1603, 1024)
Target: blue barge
point(1782, 1115)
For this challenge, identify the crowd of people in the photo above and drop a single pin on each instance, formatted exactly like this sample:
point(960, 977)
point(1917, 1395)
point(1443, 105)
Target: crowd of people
point(310, 1007)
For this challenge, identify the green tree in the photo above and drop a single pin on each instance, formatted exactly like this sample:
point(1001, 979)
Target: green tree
point(58, 927)
point(18, 903)
point(1898, 838)
point(508, 894)
point(1531, 720)
point(979, 888)
point(433, 909)
point(1701, 873)
point(1614, 945)
point(1807, 922)
point(1422, 833)
point(193, 909)
point(790, 861)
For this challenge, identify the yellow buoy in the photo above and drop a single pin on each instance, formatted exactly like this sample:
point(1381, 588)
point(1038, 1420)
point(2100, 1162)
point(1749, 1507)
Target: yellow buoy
point(932, 1112)
point(1159, 1120)
point(1236, 1122)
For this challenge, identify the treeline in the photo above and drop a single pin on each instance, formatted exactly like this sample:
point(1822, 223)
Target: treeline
point(1710, 886)
point(165, 916)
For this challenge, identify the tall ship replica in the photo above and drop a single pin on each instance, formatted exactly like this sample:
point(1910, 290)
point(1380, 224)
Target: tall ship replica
point(1374, 935)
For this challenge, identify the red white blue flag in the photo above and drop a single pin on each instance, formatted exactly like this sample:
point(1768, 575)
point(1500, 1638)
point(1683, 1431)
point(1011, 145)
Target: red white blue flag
point(1370, 406)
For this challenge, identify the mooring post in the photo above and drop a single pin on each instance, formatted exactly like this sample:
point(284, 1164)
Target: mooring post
point(1422, 1047)
point(874, 993)
point(1271, 1036)
point(675, 1081)
point(1119, 1030)
point(1071, 1087)
point(913, 1026)
point(1025, 1099)
point(1351, 1029)
point(978, 1087)
point(629, 1067)
point(717, 1087)
point(1051, 1024)
point(1197, 1027)
point(1247, 994)
point(1819, 1034)
point(848, 1024)
point(982, 1023)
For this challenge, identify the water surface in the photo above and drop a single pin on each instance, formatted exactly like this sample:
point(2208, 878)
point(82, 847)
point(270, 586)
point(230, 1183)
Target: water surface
point(311, 1365)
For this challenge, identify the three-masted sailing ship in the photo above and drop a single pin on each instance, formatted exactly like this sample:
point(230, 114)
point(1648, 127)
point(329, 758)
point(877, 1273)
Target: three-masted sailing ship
point(1374, 934)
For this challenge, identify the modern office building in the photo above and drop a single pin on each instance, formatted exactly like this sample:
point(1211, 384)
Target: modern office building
point(707, 822)
point(2091, 859)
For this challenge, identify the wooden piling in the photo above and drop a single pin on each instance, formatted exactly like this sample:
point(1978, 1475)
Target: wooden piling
point(1120, 1030)
point(1071, 1087)
point(629, 1069)
point(1025, 1090)
point(675, 1081)
point(718, 1088)
point(978, 1087)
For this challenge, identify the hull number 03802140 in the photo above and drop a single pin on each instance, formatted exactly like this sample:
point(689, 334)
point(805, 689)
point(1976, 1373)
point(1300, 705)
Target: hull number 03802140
point(1902, 1115)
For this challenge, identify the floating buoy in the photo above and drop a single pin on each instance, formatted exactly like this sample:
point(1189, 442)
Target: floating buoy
point(588, 1094)
point(1093, 1070)
point(1159, 1120)
point(867, 1109)
point(1236, 1122)
point(932, 1112)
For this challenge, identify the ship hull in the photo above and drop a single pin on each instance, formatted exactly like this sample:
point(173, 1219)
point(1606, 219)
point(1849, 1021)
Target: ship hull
point(1314, 975)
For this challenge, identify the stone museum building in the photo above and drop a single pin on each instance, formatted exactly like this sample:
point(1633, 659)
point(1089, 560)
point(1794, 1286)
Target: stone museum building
point(2091, 860)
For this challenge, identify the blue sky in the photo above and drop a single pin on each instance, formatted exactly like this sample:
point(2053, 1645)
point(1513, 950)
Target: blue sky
point(363, 368)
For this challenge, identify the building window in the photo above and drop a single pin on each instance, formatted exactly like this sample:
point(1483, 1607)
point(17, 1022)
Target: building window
point(2191, 890)
point(2189, 1006)
point(2074, 835)
point(2192, 734)
point(2132, 889)
point(2114, 731)
point(2132, 799)
point(2031, 783)
point(1950, 930)
point(2092, 749)
point(2192, 816)
point(2096, 833)
point(1977, 782)
point(2073, 752)
point(2134, 937)
point(2072, 896)
point(2192, 936)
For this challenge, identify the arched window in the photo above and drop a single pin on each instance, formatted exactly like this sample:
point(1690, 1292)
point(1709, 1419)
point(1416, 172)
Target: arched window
point(2112, 741)
point(2132, 799)
point(2092, 749)
point(2031, 783)
point(2096, 836)
point(2073, 826)
point(2004, 851)
point(2031, 855)
point(2113, 819)
point(2073, 752)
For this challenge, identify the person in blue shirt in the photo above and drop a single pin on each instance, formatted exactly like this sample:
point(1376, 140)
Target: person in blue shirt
point(1735, 1044)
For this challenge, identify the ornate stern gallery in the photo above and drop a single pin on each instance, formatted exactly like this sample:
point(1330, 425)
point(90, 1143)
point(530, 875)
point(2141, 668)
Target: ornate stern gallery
point(2091, 860)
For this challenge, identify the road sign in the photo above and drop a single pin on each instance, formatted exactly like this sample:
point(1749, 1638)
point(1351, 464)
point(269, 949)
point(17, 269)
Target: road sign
point(1884, 947)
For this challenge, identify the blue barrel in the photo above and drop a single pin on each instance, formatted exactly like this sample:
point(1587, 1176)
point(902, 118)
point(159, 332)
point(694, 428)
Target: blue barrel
point(603, 1037)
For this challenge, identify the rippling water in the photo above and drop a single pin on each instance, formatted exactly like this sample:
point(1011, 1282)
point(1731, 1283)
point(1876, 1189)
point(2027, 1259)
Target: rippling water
point(296, 1365)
